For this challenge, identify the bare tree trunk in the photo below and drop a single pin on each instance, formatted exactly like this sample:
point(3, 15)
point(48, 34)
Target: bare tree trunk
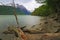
point(23, 36)
point(15, 13)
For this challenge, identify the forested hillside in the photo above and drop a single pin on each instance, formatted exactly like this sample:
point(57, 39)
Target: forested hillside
point(8, 10)
point(49, 7)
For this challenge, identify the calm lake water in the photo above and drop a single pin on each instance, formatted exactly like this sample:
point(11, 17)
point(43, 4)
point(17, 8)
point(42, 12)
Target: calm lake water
point(24, 20)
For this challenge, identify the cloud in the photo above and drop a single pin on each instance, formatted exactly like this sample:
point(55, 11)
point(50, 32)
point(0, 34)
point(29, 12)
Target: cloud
point(25, 1)
point(22, 1)
point(5, 1)
point(29, 4)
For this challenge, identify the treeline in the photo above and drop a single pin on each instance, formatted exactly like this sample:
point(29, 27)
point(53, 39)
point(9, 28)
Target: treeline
point(49, 7)
point(9, 10)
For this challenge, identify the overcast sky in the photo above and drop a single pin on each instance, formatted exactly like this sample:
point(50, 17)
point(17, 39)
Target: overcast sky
point(29, 4)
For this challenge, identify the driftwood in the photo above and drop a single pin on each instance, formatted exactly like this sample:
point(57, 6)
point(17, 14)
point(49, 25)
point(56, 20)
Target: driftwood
point(16, 31)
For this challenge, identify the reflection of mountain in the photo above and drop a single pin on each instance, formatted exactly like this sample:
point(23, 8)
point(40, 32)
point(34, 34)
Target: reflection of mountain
point(22, 8)
point(8, 10)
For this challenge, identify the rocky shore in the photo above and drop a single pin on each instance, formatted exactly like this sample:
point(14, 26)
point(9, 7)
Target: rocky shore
point(47, 25)
point(45, 36)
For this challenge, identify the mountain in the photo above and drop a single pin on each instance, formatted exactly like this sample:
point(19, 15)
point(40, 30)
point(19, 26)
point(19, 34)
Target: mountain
point(9, 10)
point(22, 8)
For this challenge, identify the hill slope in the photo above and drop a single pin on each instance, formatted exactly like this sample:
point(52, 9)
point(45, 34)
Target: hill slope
point(8, 10)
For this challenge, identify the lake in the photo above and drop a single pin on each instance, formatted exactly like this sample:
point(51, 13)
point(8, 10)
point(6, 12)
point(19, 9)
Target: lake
point(24, 20)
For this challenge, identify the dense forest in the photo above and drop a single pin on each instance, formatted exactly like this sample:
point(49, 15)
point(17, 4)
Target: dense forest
point(49, 7)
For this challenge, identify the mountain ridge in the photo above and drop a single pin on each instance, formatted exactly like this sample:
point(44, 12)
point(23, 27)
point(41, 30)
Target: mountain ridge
point(9, 10)
point(22, 8)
